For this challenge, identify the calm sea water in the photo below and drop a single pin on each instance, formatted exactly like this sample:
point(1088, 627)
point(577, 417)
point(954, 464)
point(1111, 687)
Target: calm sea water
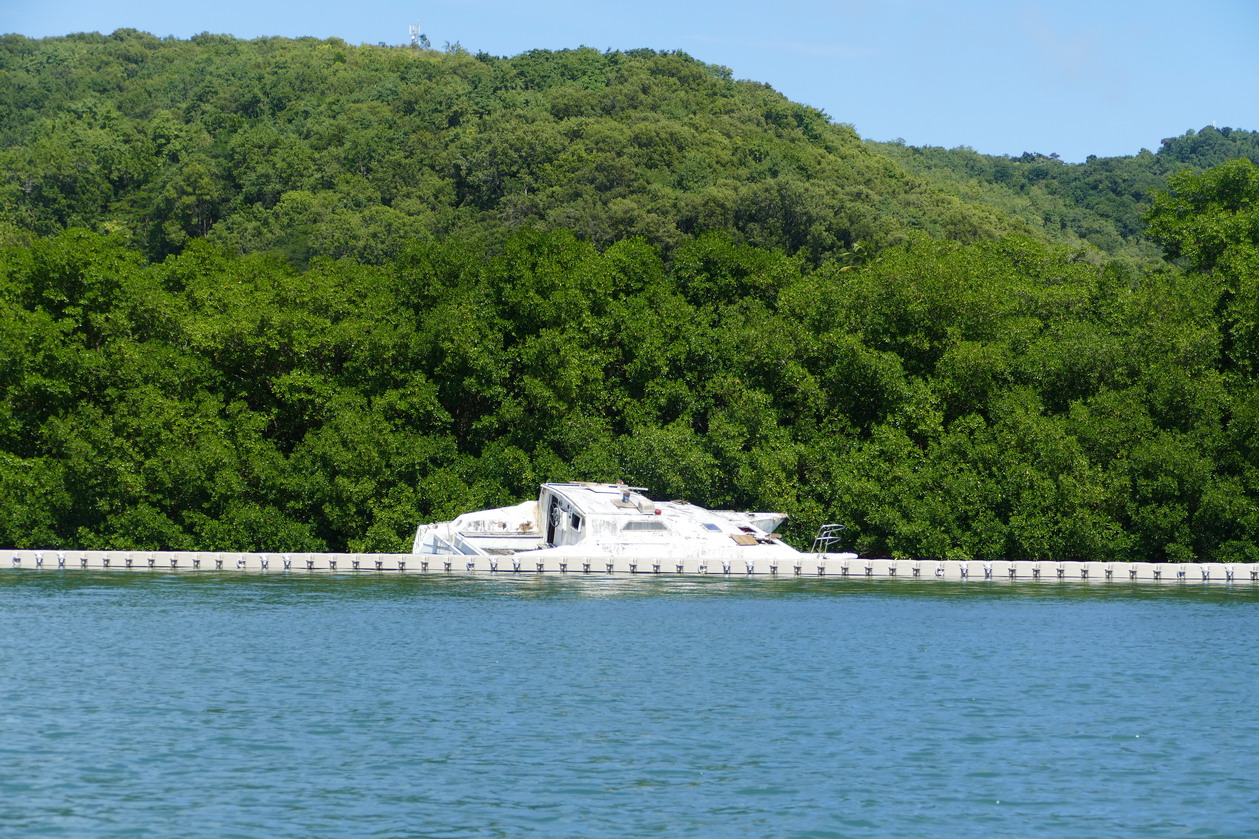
point(174, 705)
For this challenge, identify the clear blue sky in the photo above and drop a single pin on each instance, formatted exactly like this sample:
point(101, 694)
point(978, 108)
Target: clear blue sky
point(1075, 77)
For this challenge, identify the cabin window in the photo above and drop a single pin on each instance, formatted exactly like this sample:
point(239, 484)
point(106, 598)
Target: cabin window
point(644, 524)
point(710, 526)
point(576, 521)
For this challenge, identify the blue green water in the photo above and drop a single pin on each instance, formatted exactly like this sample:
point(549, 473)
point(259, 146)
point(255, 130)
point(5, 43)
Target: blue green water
point(220, 706)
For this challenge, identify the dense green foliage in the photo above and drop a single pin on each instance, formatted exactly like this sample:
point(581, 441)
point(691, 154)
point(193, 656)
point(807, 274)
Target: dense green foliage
point(316, 148)
point(295, 295)
point(1102, 201)
point(1004, 399)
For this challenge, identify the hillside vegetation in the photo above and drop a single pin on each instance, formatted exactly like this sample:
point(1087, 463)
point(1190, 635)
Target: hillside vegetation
point(1101, 202)
point(315, 148)
point(298, 295)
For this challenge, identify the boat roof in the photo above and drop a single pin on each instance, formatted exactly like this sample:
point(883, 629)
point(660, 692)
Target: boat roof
point(614, 499)
point(611, 499)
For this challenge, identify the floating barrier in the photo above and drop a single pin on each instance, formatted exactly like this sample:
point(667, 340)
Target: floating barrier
point(816, 566)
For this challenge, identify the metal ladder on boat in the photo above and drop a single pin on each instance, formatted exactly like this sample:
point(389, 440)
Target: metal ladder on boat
point(827, 535)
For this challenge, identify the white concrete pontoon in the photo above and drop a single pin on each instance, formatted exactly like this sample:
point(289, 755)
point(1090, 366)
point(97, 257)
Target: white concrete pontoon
point(582, 520)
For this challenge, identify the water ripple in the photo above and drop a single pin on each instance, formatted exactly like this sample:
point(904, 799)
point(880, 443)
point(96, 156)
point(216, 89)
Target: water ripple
point(155, 705)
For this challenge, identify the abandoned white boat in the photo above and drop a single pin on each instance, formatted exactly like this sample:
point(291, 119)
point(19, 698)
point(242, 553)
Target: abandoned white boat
point(572, 522)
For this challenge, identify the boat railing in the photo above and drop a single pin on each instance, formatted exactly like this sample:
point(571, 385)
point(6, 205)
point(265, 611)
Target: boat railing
point(827, 535)
point(458, 546)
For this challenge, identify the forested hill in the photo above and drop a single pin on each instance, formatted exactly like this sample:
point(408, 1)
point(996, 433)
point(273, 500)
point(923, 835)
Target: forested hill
point(298, 295)
point(317, 148)
point(1101, 202)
